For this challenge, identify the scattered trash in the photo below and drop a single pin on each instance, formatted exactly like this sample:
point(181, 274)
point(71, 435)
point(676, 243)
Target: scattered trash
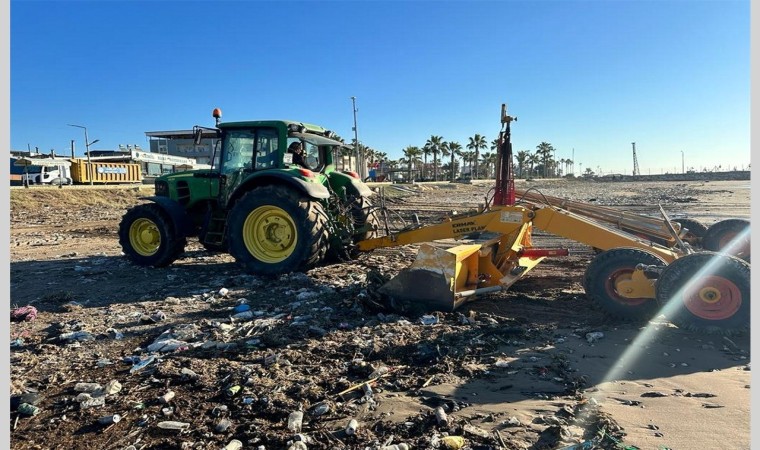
point(234, 445)
point(294, 421)
point(351, 427)
point(452, 442)
point(429, 319)
point(441, 418)
point(24, 313)
point(172, 425)
point(166, 398)
point(222, 425)
point(77, 336)
point(594, 336)
point(88, 387)
point(108, 420)
point(28, 410)
point(142, 364)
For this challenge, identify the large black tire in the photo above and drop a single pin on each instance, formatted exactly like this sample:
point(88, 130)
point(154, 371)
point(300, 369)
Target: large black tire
point(274, 229)
point(730, 236)
point(696, 231)
point(707, 292)
point(612, 266)
point(148, 238)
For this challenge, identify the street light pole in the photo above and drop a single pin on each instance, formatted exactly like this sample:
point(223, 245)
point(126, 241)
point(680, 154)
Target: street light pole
point(356, 139)
point(87, 144)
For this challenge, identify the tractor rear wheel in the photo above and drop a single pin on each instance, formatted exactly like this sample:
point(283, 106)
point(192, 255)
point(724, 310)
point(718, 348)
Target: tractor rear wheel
point(696, 231)
point(730, 236)
point(707, 292)
point(274, 230)
point(604, 275)
point(148, 238)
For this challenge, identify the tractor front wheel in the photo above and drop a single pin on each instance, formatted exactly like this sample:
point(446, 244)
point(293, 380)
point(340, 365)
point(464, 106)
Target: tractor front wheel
point(608, 280)
point(730, 236)
point(148, 238)
point(274, 230)
point(706, 292)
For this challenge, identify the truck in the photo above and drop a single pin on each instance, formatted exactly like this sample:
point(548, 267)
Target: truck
point(55, 171)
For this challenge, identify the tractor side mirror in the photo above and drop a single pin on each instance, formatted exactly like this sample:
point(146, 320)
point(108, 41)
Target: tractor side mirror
point(197, 135)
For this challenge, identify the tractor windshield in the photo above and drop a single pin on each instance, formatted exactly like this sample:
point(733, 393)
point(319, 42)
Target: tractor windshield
point(315, 150)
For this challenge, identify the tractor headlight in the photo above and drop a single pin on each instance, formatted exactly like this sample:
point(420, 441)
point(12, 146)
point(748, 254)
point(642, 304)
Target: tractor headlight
point(162, 188)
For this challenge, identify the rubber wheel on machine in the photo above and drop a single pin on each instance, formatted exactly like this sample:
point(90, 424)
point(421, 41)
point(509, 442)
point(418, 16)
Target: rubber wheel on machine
point(274, 230)
point(364, 213)
point(614, 265)
point(696, 231)
point(720, 237)
point(148, 238)
point(707, 292)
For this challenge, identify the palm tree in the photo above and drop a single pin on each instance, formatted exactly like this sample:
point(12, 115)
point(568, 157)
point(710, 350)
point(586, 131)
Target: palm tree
point(522, 159)
point(412, 154)
point(434, 146)
point(544, 150)
point(445, 151)
point(425, 152)
point(456, 150)
point(533, 159)
point(476, 143)
point(487, 159)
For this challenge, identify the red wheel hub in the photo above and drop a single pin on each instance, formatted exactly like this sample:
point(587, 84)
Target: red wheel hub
point(712, 298)
point(611, 287)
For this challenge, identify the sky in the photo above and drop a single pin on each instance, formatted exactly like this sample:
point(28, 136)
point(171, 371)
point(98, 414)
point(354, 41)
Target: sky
point(588, 77)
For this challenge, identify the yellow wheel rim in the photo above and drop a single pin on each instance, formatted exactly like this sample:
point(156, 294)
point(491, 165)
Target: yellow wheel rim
point(144, 237)
point(270, 234)
point(709, 295)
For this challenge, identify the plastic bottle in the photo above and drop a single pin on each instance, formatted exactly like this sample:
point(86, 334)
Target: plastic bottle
point(108, 420)
point(27, 409)
point(441, 417)
point(172, 425)
point(351, 427)
point(295, 419)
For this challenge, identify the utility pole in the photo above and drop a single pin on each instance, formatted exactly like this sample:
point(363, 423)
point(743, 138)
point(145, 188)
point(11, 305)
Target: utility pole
point(72, 149)
point(683, 167)
point(635, 160)
point(87, 144)
point(356, 139)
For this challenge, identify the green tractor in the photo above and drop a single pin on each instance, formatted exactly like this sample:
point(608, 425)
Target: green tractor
point(256, 203)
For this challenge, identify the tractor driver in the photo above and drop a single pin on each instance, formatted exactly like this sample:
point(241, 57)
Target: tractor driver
point(296, 148)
